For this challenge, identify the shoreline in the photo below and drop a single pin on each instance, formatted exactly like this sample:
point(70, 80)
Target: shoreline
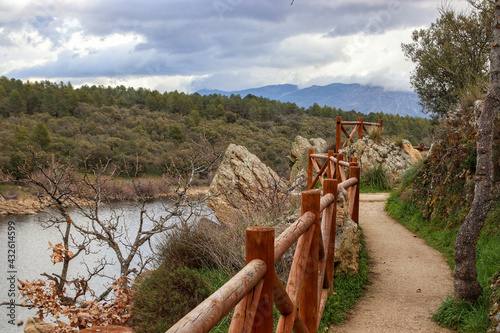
point(28, 204)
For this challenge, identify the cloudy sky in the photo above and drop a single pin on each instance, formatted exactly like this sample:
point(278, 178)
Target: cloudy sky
point(216, 44)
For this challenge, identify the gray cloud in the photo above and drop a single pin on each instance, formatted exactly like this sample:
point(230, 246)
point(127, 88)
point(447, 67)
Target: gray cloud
point(224, 39)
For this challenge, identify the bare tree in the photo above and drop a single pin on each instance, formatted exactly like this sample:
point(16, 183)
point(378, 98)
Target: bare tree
point(84, 211)
point(466, 286)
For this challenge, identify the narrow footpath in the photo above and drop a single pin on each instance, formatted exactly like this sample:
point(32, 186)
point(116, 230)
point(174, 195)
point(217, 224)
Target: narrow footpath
point(409, 278)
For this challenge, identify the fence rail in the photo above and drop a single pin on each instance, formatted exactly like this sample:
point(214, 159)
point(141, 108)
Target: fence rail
point(255, 288)
point(359, 126)
point(421, 147)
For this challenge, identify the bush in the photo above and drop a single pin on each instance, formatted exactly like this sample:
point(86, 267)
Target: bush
point(376, 178)
point(375, 134)
point(208, 245)
point(165, 296)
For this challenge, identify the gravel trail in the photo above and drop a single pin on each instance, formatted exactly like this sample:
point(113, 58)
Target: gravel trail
point(409, 278)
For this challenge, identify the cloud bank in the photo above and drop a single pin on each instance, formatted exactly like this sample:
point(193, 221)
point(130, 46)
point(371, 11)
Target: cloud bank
point(219, 44)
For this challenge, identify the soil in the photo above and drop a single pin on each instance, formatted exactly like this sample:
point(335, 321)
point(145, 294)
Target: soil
point(409, 279)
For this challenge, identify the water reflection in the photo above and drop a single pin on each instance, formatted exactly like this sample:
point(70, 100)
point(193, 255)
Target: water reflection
point(33, 255)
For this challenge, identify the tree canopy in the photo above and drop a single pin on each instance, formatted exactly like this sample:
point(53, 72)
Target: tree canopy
point(451, 58)
point(94, 123)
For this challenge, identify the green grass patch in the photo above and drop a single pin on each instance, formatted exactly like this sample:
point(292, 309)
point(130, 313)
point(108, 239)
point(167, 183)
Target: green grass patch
point(365, 188)
point(348, 289)
point(375, 180)
point(464, 317)
point(441, 235)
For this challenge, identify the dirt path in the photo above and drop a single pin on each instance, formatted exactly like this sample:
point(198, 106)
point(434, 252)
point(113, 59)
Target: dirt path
point(409, 278)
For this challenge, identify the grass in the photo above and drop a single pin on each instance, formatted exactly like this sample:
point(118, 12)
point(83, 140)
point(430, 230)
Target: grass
point(364, 188)
point(347, 290)
point(375, 134)
point(441, 235)
point(10, 190)
point(375, 180)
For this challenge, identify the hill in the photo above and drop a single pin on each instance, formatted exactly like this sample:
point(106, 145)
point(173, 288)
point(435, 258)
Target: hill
point(364, 99)
point(126, 125)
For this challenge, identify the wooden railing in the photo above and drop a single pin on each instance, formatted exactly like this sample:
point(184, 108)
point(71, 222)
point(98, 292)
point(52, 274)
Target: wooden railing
point(334, 167)
point(421, 147)
point(255, 288)
point(359, 126)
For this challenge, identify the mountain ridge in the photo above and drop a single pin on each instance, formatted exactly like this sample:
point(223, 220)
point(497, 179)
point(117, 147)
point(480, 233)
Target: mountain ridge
point(352, 96)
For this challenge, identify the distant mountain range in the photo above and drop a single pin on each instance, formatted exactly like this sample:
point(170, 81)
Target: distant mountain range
point(364, 99)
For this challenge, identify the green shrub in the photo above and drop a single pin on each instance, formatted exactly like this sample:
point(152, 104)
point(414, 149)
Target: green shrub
point(207, 246)
point(165, 296)
point(376, 178)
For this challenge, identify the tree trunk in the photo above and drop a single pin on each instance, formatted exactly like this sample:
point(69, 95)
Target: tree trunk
point(466, 286)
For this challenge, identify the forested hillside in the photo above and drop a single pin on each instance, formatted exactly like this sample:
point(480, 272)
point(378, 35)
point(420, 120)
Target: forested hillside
point(122, 123)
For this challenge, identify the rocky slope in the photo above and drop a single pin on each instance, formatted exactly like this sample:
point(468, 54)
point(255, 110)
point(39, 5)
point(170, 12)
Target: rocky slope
point(394, 158)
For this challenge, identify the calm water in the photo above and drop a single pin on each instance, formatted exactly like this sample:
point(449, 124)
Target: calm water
point(32, 256)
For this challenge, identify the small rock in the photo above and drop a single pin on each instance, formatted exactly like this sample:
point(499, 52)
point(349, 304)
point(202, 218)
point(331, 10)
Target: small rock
point(35, 325)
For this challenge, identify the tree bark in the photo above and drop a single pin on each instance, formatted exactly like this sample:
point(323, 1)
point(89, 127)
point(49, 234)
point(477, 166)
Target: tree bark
point(466, 286)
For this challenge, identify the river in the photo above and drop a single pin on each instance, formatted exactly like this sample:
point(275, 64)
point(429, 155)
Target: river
point(25, 254)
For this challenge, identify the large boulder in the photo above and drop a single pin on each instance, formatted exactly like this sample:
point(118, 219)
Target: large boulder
point(394, 158)
point(245, 188)
point(298, 158)
point(347, 239)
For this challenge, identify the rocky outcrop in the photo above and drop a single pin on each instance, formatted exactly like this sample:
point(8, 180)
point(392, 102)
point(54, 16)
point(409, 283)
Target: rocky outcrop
point(347, 239)
point(394, 158)
point(298, 158)
point(495, 304)
point(245, 188)
point(36, 325)
point(20, 206)
point(414, 154)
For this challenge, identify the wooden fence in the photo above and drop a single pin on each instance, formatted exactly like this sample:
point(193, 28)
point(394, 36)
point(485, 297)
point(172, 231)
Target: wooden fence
point(359, 126)
point(255, 288)
point(421, 147)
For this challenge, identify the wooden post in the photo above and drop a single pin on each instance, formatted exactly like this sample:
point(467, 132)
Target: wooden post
point(329, 171)
point(309, 168)
point(329, 230)
point(308, 297)
point(338, 134)
point(381, 126)
point(355, 171)
point(360, 130)
point(340, 157)
point(260, 245)
point(209, 312)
